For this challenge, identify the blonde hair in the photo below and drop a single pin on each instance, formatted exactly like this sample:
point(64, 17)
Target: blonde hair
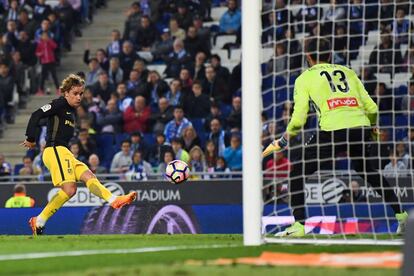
point(71, 81)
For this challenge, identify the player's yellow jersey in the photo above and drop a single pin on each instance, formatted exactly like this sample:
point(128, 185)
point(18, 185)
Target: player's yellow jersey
point(338, 96)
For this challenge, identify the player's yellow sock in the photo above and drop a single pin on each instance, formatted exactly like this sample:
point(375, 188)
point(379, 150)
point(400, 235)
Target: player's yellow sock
point(99, 190)
point(54, 204)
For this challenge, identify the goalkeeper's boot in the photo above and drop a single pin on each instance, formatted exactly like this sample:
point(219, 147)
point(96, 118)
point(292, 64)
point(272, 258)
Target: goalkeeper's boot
point(271, 148)
point(295, 230)
point(36, 230)
point(402, 221)
point(124, 200)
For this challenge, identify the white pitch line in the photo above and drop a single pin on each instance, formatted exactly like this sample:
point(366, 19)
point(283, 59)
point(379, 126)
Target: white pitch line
point(40, 255)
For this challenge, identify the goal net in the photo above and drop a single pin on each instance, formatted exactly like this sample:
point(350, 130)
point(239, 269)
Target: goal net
point(375, 39)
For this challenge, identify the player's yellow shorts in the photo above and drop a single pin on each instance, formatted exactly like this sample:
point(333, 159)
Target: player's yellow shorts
point(63, 166)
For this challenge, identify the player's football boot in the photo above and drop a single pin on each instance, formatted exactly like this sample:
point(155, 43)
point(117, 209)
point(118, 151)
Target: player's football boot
point(124, 200)
point(402, 221)
point(295, 230)
point(35, 230)
point(271, 148)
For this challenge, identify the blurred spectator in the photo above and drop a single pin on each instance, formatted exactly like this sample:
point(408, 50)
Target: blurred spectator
point(190, 139)
point(369, 80)
point(122, 160)
point(219, 137)
point(221, 72)
point(13, 11)
point(175, 30)
point(235, 79)
point(66, 15)
point(146, 35)
point(25, 24)
point(132, 23)
point(387, 55)
point(221, 167)
point(194, 44)
point(114, 47)
point(94, 165)
point(186, 81)
point(27, 168)
point(409, 140)
point(215, 88)
point(278, 64)
point(234, 119)
point(124, 101)
point(340, 45)
point(75, 149)
point(100, 57)
point(18, 72)
point(334, 14)
point(93, 105)
point(177, 59)
point(215, 113)
point(116, 75)
point(383, 98)
point(94, 71)
point(141, 68)
point(87, 145)
point(5, 167)
point(103, 88)
point(41, 11)
point(210, 154)
point(175, 127)
point(139, 169)
point(386, 13)
point(19, 198)
point(183, 15)
point(180, 153)
point(137, 143)
point(233, 153)
point(167, 157)
point(197, 104)
point(161, 48)
point(135, 84)
point(56, 29)
point(127, 57)
point(198, 69)
point(136, 116)
point(402, 27)
point(174, 95)
point(202, 32)
point(158, 149)
point(354, 194)
point(197, 162)
point(279, 166)
point(110, 119)
point(155, 87)
point(403, 154)
point(409, 57)
point(45, 51)
point(309, 16)
point(12, 33)
point(230, 21)
point(407, 101)
point(27, 49)
point(7, 85)
point(295, 50)
point(44, 27)
point(395, 167)
point(160, 118)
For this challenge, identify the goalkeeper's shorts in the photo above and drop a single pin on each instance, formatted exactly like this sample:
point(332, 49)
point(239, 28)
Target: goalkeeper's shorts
point(63, 166)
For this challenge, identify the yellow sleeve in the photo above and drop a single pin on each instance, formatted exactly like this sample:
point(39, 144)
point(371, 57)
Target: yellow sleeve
point(9, 203)
point(300, 108)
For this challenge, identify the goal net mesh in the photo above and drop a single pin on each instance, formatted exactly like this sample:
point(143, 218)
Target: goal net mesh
point(374, 38)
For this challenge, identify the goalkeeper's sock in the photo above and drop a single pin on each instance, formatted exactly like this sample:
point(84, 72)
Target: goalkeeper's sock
point(100, 190)
point(54, 204)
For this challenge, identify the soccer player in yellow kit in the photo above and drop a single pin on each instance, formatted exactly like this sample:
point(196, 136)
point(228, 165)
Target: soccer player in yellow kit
point(64, 168)
point(347, 115)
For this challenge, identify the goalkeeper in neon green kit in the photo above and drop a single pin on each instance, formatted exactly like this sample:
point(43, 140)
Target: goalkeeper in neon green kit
point(346, 115)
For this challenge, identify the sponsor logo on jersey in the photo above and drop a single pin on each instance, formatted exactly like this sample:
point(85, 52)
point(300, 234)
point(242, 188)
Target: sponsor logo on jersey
point(338, 102)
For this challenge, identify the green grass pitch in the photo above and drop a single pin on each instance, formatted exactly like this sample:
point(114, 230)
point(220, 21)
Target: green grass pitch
point(170, 262)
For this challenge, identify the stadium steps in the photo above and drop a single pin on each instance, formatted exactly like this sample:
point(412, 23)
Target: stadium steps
point(98, 36)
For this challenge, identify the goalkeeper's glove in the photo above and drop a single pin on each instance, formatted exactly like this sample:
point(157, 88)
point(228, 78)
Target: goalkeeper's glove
point(276, 146)
point(375, 134)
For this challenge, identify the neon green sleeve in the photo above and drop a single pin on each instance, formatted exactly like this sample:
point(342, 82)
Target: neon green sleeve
point(370, 107)
point(8, 203)
point(300, 109)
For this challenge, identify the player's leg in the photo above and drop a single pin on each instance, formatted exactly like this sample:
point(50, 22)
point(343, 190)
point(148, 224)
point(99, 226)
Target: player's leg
point(67, 191)
point(95, 186)
point(362, 164)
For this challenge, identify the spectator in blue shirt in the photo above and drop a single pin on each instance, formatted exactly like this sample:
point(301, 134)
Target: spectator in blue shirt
point(175, 128)
point(233, 154)
point(230, 22)
point(174, 95)
point(401, 27)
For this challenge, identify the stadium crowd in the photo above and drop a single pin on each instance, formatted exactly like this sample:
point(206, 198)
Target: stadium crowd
point(159, 91)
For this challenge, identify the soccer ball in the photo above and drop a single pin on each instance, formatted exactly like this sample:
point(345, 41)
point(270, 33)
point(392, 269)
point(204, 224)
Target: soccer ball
point(177, 171)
